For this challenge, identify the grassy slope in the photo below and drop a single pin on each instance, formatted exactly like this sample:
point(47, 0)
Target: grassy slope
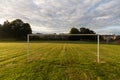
point(59, 61)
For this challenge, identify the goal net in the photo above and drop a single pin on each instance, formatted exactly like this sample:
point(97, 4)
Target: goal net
point(36, 41)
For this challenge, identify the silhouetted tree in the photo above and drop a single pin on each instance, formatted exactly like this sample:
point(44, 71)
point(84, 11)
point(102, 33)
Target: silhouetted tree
point(5, 29)
point(74, 31)
point(16, 29)
point(20, 29)
point(87, 31)
point(82, 31)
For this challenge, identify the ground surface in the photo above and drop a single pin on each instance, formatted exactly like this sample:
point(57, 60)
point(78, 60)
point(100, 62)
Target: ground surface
point(59, 61)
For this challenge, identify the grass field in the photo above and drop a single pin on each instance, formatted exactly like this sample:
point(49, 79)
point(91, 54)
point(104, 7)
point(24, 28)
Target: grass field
point(59, 61)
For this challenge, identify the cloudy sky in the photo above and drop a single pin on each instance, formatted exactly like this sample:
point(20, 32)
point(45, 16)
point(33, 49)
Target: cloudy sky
point(57, 16)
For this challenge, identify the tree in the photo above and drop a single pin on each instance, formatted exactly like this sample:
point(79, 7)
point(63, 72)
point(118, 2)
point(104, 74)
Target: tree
point(20, 29)
point(5, 29)
point(25, 30)
point(82, 31)
point(74, 31)
point(16, 29)
point(0, 30)
point(87, 31)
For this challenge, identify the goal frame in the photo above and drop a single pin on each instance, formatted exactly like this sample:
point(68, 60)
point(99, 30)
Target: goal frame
point(98, 43)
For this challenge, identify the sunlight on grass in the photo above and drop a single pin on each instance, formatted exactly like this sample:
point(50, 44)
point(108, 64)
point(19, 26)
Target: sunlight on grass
point(58, 61)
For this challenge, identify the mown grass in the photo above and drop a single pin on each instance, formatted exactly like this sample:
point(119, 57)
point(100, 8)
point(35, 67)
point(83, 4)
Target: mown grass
point(59, 61)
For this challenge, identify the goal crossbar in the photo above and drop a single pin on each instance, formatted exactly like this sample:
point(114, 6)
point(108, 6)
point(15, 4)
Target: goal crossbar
point(98, 42)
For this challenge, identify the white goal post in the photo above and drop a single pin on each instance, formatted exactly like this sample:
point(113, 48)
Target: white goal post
point(98, 42)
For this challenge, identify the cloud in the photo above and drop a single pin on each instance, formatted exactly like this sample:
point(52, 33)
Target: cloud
point(103, 17)
point(60, 15)
point(110, 30)
point(2, 20)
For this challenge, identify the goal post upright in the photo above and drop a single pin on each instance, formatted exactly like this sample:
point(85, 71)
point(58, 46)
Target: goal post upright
point(98, 43)
point(98, 48)
point(28, 47)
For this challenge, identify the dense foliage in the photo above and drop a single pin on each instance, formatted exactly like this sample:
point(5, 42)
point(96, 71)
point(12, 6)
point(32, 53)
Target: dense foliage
point(16, 29)
point(82, 31)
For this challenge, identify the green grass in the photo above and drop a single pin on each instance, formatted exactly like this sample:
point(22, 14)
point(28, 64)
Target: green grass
point(59, 61)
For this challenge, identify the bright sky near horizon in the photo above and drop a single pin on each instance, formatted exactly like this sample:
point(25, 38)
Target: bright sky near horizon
point(58, 16)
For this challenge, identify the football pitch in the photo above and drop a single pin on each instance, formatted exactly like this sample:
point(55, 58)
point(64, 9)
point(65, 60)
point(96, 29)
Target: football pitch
point(59, 60)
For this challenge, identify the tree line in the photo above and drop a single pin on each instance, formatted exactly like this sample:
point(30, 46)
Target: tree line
point(15, 29)
point(63, 36)
point(82, 31)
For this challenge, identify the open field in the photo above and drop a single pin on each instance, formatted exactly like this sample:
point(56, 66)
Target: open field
point(59, 61)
